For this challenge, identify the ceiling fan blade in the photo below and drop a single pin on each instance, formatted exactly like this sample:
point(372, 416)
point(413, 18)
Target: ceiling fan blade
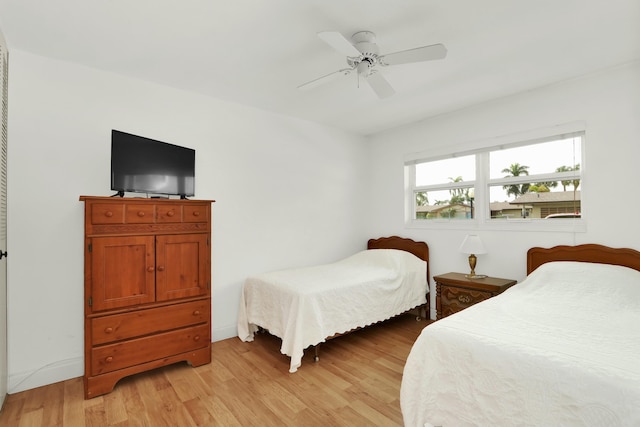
point(325, 79)
point(339, 43)
point(418, 54)
point(380, 85)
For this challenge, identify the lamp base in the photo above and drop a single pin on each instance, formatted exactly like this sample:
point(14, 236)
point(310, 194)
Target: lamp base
point(476, 276)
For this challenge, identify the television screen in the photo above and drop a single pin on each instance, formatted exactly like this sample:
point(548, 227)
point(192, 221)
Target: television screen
point(144, 165)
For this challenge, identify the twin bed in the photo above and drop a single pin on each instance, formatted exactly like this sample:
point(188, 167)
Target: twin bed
point(304, 307)
point(561, 348)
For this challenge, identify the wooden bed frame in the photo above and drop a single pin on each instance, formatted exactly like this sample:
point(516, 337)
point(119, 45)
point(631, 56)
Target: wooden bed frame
point(419, 249)
point(585, 253)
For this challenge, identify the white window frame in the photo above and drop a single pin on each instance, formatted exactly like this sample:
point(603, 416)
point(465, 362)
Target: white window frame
point(482, 183)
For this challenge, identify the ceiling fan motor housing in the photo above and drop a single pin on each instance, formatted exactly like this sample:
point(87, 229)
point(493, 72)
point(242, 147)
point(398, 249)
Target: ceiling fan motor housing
point(365, 42)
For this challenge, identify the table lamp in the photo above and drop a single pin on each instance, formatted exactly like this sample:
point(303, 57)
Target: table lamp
point(472, 245)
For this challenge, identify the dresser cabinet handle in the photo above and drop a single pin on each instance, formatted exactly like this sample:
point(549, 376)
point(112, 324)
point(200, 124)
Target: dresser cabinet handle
point(196, 312)
point(171, 213)
point(109, 359)
point(108, 214)
point(196, 338)
point(160, 268)
point(141, 214)
point(150, 269)
point(108, 330)
point(196, 213)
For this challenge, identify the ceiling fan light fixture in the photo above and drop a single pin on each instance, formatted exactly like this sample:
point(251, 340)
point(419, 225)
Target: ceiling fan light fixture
point(364, 68)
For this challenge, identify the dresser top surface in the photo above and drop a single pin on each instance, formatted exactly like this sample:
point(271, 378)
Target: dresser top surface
point(105, 199)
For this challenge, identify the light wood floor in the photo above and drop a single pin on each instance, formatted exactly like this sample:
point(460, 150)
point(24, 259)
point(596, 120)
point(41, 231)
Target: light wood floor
point(355, 383)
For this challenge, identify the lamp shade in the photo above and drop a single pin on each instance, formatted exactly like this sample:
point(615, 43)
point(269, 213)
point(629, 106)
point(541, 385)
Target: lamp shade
point(472, 245)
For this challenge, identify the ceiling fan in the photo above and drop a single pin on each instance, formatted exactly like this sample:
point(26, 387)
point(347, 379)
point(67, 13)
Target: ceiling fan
point(363, 57)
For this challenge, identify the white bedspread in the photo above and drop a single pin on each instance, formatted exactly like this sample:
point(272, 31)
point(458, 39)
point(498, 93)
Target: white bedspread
point(304, 306)
point(562, 348)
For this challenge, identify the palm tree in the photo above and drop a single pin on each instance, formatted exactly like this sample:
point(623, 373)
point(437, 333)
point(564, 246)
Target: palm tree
point(422, 199)
point(576, 182)
point(564, 169)
point(458, 195)
point(516, 169)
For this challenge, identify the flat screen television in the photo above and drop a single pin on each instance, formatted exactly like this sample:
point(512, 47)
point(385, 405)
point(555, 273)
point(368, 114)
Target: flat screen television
point(143, 165)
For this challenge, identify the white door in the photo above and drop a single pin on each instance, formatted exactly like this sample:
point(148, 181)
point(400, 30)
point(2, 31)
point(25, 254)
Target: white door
point(4, 94)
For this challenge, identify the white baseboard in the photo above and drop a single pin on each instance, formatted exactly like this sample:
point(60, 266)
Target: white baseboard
point(52, 373)
point(224, 333)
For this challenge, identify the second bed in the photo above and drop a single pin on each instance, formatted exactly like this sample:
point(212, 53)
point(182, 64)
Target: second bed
point(306, 306)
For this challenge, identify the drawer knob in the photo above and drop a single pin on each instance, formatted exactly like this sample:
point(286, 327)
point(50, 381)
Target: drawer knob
point(196, 312)
point(141, 214)
point(108, 214)
point(161, 268)
point(150, 269)
point(171, 213)
point(196, 338)
point(109, 359)
point(196, 213)
point(108, 330)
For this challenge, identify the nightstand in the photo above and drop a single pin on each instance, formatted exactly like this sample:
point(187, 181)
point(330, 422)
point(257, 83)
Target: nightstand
point(455, 292)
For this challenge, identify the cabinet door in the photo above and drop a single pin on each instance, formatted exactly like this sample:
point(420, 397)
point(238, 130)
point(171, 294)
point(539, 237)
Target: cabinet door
point(122, 271)
point(182, 266)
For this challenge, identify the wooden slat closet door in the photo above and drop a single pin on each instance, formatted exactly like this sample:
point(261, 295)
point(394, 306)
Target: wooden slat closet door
point(4, 106)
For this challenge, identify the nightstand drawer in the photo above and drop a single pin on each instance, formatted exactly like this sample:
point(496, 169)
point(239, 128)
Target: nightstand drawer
point(453, 299)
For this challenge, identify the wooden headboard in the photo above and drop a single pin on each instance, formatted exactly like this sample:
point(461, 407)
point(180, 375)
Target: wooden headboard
point(419, 249)
point(584, 253)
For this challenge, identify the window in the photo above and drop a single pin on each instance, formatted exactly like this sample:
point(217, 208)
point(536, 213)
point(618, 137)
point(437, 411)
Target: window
point(444, 188)
point(538, 179)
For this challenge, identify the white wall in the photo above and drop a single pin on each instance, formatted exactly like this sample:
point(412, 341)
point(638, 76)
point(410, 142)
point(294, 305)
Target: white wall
point(287, 192)
point(608, 102)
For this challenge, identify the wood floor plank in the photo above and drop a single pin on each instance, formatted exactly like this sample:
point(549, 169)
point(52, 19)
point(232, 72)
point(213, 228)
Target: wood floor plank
point(355, 383)
point(73, 398)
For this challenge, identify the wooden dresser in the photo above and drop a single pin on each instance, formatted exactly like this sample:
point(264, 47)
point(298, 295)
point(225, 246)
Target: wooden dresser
point(147, 286)
point(455, 292)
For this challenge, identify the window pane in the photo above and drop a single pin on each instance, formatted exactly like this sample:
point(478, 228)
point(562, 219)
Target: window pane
point(447, 170)
point(444, 204)
point(548, 204)
point(547, 157)
point(550, 197)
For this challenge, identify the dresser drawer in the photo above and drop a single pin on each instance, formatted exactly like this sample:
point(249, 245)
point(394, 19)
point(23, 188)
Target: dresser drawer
point(140, 214)
point(144, 322)
point(169, 213)
point(195, 213)
point(123, 354)
point(107, 213)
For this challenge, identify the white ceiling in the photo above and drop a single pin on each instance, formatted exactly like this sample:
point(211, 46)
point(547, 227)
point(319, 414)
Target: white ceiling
point(256, 52)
